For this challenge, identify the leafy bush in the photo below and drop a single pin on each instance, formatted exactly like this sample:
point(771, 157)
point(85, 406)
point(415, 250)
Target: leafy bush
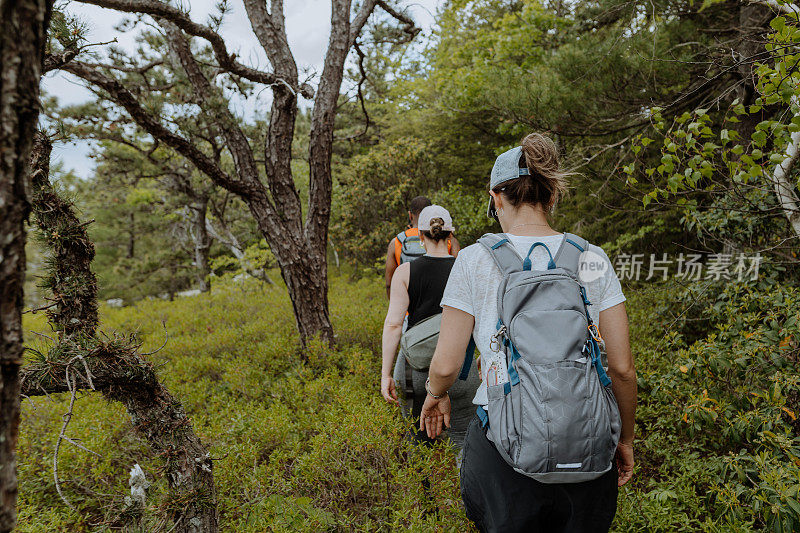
point(718, 433)
point(312, 447)
point(306, 447)
point(373, 196)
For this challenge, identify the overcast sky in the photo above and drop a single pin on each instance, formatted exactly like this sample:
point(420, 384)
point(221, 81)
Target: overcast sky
point(307, 25)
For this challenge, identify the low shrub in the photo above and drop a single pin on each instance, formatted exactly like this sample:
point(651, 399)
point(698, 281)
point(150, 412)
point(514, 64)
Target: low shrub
point(311, 446)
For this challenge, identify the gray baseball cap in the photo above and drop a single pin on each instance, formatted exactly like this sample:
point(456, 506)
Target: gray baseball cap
point(435, 211)
point(506, 168)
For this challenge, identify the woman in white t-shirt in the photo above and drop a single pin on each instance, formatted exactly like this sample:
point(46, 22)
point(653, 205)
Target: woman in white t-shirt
point(525, 185)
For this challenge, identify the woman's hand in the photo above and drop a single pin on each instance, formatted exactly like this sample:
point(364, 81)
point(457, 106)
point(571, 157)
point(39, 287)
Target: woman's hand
point(624, 458)
point(388, 389)
point(435, 412)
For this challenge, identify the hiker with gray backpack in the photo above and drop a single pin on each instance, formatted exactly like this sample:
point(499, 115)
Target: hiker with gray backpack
point(416, 291)
point(552, 438)
point(407, 246)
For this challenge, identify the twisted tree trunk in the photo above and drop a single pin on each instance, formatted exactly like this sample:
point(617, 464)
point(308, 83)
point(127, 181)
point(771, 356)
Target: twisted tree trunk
point(122, 375)
point(23, 29)
point(81, 360)
point(299, 244)
point(71, 280)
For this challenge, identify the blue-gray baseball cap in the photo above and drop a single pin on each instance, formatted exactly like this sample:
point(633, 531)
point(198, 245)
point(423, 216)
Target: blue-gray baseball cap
point(506, 168)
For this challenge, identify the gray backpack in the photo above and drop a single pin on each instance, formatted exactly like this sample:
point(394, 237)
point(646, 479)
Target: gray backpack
point(556, 420)
point(410, 247)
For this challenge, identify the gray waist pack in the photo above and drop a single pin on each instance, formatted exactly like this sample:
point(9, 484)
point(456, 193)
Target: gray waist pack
point(419, 342)
point(556, 420)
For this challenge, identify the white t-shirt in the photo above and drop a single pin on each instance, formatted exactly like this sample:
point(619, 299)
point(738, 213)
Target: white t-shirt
point(475, 278)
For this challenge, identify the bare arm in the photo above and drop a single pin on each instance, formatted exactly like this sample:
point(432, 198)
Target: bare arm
point(391, 266)
point(455, 246)
point(393, 329)
point(447, 360)
point(614, 330)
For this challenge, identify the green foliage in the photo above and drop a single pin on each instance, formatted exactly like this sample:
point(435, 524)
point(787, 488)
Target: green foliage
point(371, 201)
point(313, 447)
point(495, 71)
point(717, 429)
point(718, 168)
point(747, 402)
point(257, 257)
point(467, 206)
point(307, 447)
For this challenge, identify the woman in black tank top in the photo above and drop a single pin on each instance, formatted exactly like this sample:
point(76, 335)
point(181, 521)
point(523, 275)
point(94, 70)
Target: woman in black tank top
point(416, 293)
point(427, 280)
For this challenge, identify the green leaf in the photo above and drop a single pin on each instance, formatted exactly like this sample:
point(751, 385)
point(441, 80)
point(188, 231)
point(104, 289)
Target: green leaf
point(778, 24)
point(674, 182)
point(759, 137)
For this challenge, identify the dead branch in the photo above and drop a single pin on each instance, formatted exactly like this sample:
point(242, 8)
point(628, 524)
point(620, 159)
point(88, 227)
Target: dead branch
point(226, 60)
point(409, 27)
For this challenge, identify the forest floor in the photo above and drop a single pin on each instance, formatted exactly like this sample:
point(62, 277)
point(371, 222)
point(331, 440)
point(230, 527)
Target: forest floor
point(304, 446)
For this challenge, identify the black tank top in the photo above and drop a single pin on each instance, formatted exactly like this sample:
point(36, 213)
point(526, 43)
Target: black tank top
point(426, 283)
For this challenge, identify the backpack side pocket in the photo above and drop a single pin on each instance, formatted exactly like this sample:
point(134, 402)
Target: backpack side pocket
point(505, 420)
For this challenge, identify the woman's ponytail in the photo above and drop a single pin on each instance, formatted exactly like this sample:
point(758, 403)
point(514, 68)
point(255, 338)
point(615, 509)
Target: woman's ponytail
point(437, 231)
point(547, 182)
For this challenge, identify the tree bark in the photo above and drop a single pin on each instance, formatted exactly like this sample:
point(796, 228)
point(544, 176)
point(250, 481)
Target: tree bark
point(131, 252)
point(70, 279)
point(121, 375)
point(307, 282)
point(785, 190)
point(299, 245)
point(23, 32)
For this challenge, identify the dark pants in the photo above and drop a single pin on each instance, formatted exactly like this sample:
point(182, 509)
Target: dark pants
point(497, 498)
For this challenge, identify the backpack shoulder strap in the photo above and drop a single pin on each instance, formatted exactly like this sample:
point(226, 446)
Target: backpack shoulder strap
point(569, 253)
point(398, 248)
point(502, 251)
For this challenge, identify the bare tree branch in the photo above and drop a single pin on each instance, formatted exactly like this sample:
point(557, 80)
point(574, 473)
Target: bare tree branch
point(124, 98)
point(226, 60)
point(213, 102)
point(360, 19)
point(409, 27)
point(783, 186)
point(56, 61)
